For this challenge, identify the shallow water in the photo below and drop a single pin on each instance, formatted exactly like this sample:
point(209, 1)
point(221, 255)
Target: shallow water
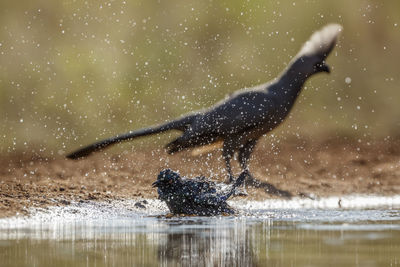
point(93, 234)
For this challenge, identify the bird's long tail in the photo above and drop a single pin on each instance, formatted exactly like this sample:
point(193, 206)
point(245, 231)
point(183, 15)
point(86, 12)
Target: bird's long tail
point(178, 124)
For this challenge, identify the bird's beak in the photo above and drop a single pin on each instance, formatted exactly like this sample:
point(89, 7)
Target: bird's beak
point(155, 184)
point(323, 67)
point(326, 68)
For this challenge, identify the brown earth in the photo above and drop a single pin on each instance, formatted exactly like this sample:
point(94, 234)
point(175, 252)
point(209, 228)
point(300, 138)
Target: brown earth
point(303, 167)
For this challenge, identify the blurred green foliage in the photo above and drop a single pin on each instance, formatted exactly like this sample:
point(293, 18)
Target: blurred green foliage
point(73, 71)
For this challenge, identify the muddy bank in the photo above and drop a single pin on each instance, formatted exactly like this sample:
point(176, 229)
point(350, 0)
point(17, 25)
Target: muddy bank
point(328, 167)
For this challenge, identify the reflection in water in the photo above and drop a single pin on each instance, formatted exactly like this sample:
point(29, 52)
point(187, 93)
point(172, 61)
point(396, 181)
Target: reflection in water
point(225, 244)
point(220, 241)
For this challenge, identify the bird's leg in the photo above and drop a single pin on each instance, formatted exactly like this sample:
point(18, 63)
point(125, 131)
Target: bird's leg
point(227, 153)
point(231, 178)
point(230, 145)
point(244, 156)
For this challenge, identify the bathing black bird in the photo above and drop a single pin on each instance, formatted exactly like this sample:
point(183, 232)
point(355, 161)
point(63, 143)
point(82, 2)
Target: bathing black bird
point(241, 119)
point(196, 196)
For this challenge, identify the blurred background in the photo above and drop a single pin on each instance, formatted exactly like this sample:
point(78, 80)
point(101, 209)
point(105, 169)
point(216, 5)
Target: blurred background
point(73, 71)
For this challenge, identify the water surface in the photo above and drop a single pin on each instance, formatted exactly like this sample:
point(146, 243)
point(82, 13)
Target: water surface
point(90, 234)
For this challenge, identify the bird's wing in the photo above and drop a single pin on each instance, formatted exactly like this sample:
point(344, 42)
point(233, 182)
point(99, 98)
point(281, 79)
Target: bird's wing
point(210, 200)
point(213, 199)
point(239, 113)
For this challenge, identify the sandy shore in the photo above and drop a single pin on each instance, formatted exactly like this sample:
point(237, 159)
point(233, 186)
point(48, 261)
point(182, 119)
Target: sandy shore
point(329, 167)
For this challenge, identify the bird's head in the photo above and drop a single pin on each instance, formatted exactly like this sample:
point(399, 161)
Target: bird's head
point(309, 65)
point(167, 178)
point(311, 58)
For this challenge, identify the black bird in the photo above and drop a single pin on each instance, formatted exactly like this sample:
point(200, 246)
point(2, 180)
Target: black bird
point(196, 196)
point(241, 119)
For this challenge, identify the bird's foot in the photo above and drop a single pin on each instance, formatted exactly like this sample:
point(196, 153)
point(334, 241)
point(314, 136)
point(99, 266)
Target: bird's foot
point(268, 188)
point(240, 192)
point(251, 181)
point(231, 179)
point(238, 188)
point(271, 189)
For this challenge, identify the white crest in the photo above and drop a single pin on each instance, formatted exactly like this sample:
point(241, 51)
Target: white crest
point(322, 41)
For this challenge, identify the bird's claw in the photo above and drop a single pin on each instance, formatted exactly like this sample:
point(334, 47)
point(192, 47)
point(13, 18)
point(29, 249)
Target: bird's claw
point(240, 192)
point(238, 184)
point(231, 179)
